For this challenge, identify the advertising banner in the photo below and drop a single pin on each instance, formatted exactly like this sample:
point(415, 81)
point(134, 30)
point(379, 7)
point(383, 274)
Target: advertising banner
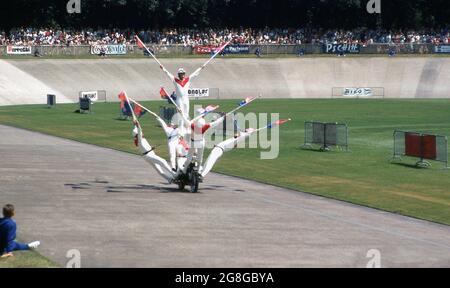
point(342, 48)
point(442, 49)
point(358, 92)
point(204, 49)
point(109, 49)
point(18, 50)
point(92, 95)
point(198, 92)
point(237, 49)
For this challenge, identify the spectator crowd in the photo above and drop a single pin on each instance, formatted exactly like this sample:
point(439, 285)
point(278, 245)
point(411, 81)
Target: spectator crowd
point(194, 37)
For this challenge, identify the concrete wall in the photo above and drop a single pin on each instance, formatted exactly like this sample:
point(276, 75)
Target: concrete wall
point(48, 50)
point(28, 81)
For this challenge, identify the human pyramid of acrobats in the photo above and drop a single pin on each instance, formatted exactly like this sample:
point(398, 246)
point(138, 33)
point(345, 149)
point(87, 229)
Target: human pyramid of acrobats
point(186, 157)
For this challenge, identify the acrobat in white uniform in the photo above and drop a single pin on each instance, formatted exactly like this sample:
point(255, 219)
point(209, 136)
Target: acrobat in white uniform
point(173, 135)
point(182, 152)
point(197, 143)
point(223, 147)
point(182, 85)
point(161, 166)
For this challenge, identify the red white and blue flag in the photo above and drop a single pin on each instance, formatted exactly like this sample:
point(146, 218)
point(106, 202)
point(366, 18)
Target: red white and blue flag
point(139, 43)
point(208, 109)
point(123, 100)
point(138, 111)
point(220, 48)
point(163, 93)
point(277, 123)
point(127, 107)
point(246, 101)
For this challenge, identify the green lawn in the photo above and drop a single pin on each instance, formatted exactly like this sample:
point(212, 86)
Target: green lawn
point(363, 176)
point(27, 259)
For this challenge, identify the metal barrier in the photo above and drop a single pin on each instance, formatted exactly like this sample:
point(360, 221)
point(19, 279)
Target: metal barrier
point(422, 146)
point(85, 104)
point(325, 135)
point(51, 100)
point(167, 113)
point(267, 49)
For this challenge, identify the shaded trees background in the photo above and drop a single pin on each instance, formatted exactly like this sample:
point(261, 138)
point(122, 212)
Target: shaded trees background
point(224, 13)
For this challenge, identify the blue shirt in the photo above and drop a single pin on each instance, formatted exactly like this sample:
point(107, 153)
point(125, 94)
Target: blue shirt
point(7, 235)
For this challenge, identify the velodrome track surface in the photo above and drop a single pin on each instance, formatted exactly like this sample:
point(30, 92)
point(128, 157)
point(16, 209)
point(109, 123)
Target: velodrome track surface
point(114, 209)
point(28, 81)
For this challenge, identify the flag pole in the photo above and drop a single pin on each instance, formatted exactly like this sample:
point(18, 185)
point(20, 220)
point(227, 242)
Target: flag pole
point(217, 53)
point(241, 106)
point(273, 124)
point(131, 108)
point(204, 114)
point(146, 109)
point(138, 40)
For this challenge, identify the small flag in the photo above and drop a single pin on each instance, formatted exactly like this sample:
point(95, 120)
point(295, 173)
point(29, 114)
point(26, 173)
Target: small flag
point(246, 101)
point(220, 48)
point(208, 109)
point(123, 96)
point(163, 93)
point(126, 108)
point(138, 111)
point(139, 43)
point(277, 123)
point(123, 100)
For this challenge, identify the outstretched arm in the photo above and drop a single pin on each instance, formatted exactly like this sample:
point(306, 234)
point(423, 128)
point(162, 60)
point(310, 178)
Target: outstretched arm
point(196, 73)
point(217, 122)
point(187, 123)
point(139, 129)
point(171, 77)
point(162, 123)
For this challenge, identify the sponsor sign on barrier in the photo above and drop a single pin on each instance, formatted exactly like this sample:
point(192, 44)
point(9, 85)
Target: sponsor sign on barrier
point(204, 49)
point(18, 50)
point(230, 49)
point(92, 95)
point(344, 48)
point(109, 49)
point(442, 49)
point(198, 92)
point(358, 92)
point(237, 49)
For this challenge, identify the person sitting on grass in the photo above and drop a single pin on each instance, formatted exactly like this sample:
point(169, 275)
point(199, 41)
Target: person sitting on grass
point(8, 228)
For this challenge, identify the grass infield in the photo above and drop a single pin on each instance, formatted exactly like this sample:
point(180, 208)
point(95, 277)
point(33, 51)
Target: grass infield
point(362, 176)
point(27, 259)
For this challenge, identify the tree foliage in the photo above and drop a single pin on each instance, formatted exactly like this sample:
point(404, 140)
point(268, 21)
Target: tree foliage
point(224, 13)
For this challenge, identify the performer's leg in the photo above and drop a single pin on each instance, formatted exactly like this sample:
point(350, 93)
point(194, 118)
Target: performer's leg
point(180, 162)
point(20, 246)
point(189, 158)
point(186, 106)
point(196, 148)
point(160, 166)
point(157, 162)
point(215, 154)
point(200, 156)
point(218, 151)
point(172, 145)
point(179, 103)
